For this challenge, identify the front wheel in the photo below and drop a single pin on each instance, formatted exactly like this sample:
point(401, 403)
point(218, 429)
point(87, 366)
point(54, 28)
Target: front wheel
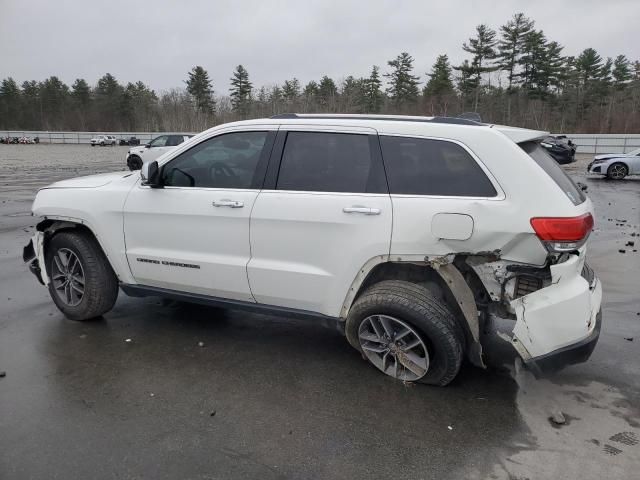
point(81, 282)
point(134, 162)
point(406, 332)
point(617, 171)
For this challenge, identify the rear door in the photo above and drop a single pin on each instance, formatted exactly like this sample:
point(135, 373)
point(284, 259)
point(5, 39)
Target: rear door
point(323, 214)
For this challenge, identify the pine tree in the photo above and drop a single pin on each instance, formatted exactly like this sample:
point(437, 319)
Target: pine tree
point(403, 85)
point(621, 72)
point(372, 96)
point(291, 90)
point(200, 88)
point(10, 103)
point(54, 95)
point(327, 92)
point(466, 81)
point(482, 47)
point(510, 45)
point(240, 91)
point(440, 82)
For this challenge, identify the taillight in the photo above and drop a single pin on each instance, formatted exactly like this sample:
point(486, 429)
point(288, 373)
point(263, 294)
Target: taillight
point(562, 234)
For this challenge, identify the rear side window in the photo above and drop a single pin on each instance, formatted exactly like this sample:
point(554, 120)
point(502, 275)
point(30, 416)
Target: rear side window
point(419, 166)
point(549, 165)
point(328, 162)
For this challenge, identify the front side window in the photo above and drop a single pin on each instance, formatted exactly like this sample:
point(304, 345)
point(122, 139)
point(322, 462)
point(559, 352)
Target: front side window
point(160, 141)
point(174, 140)
point(420, 166)
point(225, 161)
point(327, 162)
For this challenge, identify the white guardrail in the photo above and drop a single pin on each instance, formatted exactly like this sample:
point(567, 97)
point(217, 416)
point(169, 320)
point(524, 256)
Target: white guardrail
point(586, 143)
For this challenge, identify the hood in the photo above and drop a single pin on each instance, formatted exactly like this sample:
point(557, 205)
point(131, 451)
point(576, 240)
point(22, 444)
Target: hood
point(138, 149)
point(613, 155)
point(90, 181)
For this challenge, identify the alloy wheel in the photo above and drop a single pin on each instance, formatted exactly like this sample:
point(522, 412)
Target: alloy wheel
point(618, 172)
point(67, 276)
point(394, 347)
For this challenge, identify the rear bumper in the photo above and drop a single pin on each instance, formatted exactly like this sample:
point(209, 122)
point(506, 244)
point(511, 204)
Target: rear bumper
point(578, 352)
point(560, 324)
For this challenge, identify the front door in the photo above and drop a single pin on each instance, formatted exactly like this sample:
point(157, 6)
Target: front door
point(325, 216)
point(192, 235)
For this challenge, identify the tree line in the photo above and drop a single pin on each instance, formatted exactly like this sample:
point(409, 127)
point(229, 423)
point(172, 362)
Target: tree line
point(514, 75)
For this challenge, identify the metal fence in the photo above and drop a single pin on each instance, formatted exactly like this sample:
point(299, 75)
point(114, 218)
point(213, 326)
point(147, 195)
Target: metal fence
point(586, 143)
point(79, 137)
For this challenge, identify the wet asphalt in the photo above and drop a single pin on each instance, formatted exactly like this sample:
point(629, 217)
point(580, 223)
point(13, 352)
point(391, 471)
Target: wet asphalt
point(161, 390)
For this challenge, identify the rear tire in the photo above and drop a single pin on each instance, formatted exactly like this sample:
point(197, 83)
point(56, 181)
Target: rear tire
point(408, 306)
point(617, 171)
point(82, 284)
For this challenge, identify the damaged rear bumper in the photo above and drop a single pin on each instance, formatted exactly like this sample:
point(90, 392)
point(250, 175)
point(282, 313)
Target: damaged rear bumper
point(559, 325)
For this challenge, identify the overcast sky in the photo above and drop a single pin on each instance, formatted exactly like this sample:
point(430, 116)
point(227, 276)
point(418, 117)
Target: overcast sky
point(158, 41)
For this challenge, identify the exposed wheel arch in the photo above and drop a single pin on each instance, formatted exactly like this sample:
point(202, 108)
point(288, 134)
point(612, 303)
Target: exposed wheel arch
point(449, 281)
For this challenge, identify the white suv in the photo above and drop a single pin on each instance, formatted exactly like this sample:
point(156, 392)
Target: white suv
point(103, 140)
point(412, 233)
point(136, 156)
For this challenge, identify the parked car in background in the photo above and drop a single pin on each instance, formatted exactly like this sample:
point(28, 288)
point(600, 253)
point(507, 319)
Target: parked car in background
point(616, 166)
point(130, 141)
point(560, 148)
point(103, 140)
point(343, 219)
point(152, 150)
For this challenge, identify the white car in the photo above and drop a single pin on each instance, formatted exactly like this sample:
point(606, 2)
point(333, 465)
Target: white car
point(412, 234)
point(136, 156)
point(103, 140)
point(616, 166)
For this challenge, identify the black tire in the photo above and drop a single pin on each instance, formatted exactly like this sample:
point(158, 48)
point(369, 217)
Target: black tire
point(102, 144)
point(419, 308)
point(134, 162)
point(93, 144)
point(100, 282)
point(617, 171)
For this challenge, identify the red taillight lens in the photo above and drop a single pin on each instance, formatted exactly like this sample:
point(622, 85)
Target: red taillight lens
point(562, 229)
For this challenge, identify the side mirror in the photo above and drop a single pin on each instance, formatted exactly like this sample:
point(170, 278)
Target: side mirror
point(150, 174)
point(147, 145)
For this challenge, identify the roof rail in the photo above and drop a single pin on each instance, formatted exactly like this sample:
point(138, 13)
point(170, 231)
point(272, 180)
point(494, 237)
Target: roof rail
point(393, 118)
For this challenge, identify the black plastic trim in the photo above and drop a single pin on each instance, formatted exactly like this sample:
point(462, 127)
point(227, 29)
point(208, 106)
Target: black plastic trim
point(147, 291)
point(449, 120)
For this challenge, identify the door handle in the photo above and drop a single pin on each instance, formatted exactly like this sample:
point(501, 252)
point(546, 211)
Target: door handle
point(227, 203)
point(362, 210)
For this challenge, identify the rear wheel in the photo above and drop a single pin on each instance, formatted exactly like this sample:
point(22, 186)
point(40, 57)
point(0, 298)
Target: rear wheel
point(406, 332)
point(617, 171)
point(81, 282)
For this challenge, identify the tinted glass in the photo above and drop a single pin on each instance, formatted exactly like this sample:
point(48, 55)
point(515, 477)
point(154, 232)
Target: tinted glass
point(174, 140)
point(226, 161)
point(326, 162)
point(159, 141)
point(549, 165)
point(417, 166)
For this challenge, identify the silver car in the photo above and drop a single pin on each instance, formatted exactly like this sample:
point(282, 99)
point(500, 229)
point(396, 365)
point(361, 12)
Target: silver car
point(616, 166)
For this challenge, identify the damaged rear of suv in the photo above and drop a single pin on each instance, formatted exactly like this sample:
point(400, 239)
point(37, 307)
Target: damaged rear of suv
point(414, 234)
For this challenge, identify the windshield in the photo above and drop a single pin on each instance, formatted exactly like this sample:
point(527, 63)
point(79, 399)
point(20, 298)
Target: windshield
point(555, 171)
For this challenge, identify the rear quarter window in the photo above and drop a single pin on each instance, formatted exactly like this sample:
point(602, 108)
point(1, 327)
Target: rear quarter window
point(420, 166)
point(555, 171)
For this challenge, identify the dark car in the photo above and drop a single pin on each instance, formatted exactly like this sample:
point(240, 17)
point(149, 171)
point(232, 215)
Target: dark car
point(560, 148)
point(130, 141)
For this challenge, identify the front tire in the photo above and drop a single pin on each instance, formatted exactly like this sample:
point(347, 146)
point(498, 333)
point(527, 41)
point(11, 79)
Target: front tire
point(406, 332)
point(134, 162)
point(617, 171)
point(81, 282)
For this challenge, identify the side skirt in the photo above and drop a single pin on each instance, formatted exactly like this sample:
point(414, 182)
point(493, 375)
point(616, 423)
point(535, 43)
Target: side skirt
point(146, 291)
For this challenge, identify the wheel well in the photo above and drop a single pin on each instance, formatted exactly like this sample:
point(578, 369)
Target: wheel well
point(51, 227)
point(428, 277)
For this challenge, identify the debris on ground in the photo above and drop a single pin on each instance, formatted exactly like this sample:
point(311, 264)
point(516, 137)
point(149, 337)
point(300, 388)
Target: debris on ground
point(449, 427)
point(558, 418)
point(201, 344)
point(622, 250)
point(630, 244)
point(213, 414)
point(128, 340)
point(629, 339)
point(3, 374)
